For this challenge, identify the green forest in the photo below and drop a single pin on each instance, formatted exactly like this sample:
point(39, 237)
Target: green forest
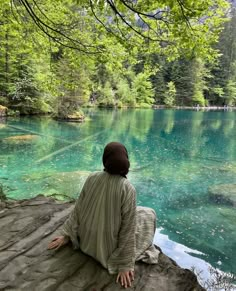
point(58, 56)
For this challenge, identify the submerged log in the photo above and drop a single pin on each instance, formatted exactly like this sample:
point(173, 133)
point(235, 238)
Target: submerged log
point(68, 147)
point(20, 139)
point(36, 133)
point(27, 226)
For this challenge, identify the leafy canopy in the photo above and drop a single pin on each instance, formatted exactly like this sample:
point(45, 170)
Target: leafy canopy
point(170, 27)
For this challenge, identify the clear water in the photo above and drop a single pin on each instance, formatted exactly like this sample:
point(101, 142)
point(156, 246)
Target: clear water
point(175, 157)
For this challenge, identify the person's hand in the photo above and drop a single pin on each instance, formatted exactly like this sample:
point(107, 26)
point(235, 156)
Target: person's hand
point(58, 242)
point(125, 278)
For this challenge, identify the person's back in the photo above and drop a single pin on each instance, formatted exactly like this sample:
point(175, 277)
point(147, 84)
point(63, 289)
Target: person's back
point(103, 201)
point(105, 222)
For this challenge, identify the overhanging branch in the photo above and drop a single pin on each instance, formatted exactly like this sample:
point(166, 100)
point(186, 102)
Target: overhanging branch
point(57, 35)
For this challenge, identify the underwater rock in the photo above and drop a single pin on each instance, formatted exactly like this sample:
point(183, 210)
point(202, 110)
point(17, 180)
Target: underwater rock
point(74, 117)
point(60, 185)
point(66, 183)
point(230, 214)
point(209, 229)
point(20, 139)
point(57, 195)
point(27, 226)
point(223, 193)
point(228, 167)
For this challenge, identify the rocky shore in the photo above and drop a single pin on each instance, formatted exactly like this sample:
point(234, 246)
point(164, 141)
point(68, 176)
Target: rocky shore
point(27, 226)
point(3, 111)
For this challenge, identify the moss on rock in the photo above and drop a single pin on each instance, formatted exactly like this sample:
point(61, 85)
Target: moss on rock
point(76, 116)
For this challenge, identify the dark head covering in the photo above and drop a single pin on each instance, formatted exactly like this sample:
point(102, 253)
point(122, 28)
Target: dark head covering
point(115, 159)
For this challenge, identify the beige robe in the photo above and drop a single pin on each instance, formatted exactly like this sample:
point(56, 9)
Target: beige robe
point(107, 225)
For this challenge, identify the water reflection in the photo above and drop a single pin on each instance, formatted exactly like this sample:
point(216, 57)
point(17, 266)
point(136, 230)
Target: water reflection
point(183, 255)
point(168, 121)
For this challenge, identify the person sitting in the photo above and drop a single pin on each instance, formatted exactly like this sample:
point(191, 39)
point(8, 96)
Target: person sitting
point(106, 224)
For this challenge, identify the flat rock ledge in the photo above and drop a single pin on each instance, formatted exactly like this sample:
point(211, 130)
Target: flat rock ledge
point(27, 226)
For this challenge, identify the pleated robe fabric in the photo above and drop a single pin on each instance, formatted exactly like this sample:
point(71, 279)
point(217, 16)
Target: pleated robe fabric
point(107, 225)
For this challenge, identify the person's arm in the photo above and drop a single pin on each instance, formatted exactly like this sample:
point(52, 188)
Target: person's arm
point(126, 241)
point(70, 227)
point(123, 256)
point(69, 231)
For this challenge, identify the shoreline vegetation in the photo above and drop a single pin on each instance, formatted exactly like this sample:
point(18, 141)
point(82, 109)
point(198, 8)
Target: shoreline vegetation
point(79, 116)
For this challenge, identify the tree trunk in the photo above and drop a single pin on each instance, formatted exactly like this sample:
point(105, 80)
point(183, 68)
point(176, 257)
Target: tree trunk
point(6, 61)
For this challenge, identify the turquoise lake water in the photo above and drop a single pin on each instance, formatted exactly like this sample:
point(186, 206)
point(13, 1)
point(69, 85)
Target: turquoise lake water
point(175, 157)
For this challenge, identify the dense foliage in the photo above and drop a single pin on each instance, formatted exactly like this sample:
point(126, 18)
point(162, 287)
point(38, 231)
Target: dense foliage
point(55, 58)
